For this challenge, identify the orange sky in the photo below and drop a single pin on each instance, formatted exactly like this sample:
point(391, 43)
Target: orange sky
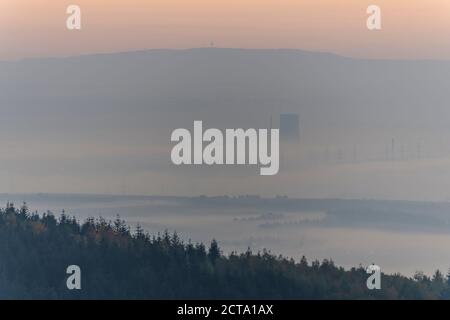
point(411, 28)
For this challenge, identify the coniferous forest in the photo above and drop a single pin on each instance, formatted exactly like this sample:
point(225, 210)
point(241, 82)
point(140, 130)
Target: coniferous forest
point(115, 263)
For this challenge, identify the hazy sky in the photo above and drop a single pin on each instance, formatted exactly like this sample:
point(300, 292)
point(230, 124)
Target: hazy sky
point(411, 28)
point(102, 124)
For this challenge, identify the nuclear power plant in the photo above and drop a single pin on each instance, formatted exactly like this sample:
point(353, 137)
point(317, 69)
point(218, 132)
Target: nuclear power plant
point(289, 127)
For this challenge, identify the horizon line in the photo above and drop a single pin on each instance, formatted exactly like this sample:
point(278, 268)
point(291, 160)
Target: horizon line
point(234, 196)
point(281, 49)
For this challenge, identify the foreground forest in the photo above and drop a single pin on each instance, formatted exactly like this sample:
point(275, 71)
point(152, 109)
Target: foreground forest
point(116, 263)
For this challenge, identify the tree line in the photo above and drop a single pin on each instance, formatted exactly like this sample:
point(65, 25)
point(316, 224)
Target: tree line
point(116, 263)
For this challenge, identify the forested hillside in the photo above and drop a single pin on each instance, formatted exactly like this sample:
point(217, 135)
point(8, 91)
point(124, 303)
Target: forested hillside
point(115, 263)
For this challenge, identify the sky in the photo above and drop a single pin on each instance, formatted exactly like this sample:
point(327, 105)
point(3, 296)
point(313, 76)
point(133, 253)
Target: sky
point(411, 29)
point(102, 124)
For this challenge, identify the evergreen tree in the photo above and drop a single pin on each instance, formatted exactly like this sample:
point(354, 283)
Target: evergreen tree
point(117, 264)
